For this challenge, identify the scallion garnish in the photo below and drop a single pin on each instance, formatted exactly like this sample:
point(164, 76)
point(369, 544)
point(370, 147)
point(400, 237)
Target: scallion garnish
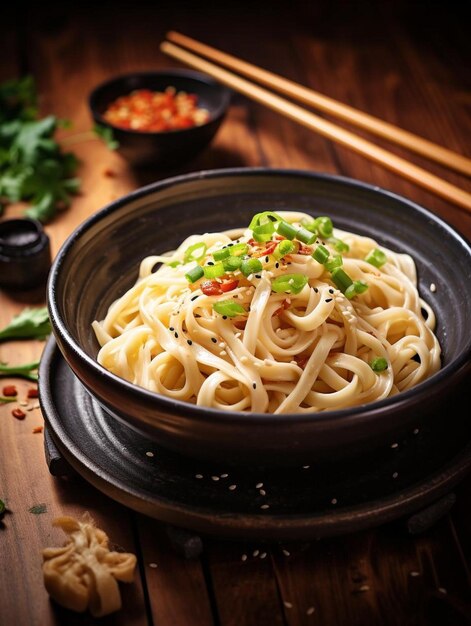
point(232, 263)
point(291, 283)
point(338, 244)
point(376, 257)
point(229, 308)
point(221, 254)
point(341, 279)
point(263, 218)
point(333, 263)
point(358, 287)
point(195, 252)
point(194, 274)
point(324, 226)
point(379, 364)
point(174, 263)
point(285, 229)
point(263, 232)
point(320, 254)
point(251, 266)
point(283, 248)
point(239, 249)
point(214, 271)
point(305, 236)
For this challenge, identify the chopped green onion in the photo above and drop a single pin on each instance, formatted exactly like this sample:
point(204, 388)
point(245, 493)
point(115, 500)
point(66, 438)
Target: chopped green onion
point(341, 279)
point(232, 263)
point(287, 230)
point(283, 248)
point(229, 308)
point(263, 218)
point(251, 266)
point(305, 236)
point(263, 232)
point(309, 225)
point(221, 254)
point(214, 271)
point(358, 286)
point(292, 283)
point(194, 274)
point(376, 257)
point(195, 252)
point(8, 399)
point(174, 263)
point(338, 244)
point(333, 263)
point(379, 364)
point(324, 226)
point(239, 249)
point(320, 254)
point(26, 370)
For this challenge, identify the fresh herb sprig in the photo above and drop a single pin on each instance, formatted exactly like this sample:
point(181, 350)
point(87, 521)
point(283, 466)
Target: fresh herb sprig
point(29, 324)
point(26, 370)
point(33, 167)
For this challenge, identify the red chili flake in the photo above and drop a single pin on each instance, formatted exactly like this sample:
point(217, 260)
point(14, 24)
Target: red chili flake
point(33, 393)
point(286, 304)
point(109, 173)
point(211, 288)
point(38, 429)
point(19, 414)
point(228, 285)
point(304, 249)
point(9, 391)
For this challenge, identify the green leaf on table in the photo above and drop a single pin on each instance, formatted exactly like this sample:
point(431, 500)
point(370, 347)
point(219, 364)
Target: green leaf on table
point(38, 509)
point(29, 324)
point(26, 370)
point(3, 508)
point(106, 135)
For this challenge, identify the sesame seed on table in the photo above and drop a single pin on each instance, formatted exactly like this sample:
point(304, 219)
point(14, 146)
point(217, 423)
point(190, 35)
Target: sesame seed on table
point(397, 61)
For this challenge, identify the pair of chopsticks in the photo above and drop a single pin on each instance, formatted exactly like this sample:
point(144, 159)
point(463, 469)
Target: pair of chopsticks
point(175, 47)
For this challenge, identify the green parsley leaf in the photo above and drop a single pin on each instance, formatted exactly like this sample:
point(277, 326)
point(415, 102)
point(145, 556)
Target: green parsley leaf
point(38, 509)
point(106, 134)
point(29, 324)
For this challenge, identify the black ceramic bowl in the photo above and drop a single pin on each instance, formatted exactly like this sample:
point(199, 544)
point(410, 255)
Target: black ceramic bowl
point(100, 261)
point(170, 148)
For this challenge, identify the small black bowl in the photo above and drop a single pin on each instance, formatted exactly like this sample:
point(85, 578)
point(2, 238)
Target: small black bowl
point(168, 148)
point(100, 260)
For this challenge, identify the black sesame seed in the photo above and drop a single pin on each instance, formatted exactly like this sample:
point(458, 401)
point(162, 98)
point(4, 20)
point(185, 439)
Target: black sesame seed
point(176, 335)
point(331, 291)
point(257, 276)
point(229, 245)
point(189, 342)
point(210, 263)
point(277, 265)
point(214, 340)
point(328, 300)
point(194, 297)
point(316, 290)
point(254, 385)
point(171, 328)
point(266, 259)
point(224, 317)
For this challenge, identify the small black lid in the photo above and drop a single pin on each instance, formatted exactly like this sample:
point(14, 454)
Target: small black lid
point(25, 254)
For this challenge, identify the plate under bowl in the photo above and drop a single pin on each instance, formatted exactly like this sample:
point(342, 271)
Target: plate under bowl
point(100, 259)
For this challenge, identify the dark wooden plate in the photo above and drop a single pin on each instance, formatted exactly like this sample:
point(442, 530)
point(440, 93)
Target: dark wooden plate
point(315, 500)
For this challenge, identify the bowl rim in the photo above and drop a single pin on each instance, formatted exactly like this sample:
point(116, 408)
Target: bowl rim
point(206, 79)
point(424, 390)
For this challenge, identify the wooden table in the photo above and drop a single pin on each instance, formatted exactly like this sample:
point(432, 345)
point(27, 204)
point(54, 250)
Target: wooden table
point(406, 65)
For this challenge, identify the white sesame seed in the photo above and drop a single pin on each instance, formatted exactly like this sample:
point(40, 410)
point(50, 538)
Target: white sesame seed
point(395, 475)
point(394, 445)
point(215, 478)
point(255, 552)
point(23, 404)
point(258, 485)
point(244, 359)
point(222, 344)
point(442, 590)
point(263, 555)
point(365, 588)
point(288, 605)
point(237, 335)
point(198, 475)
point(310, 610)
point(153, 565)
point(286, 552)
point(149, 453)
point(224, 475)
point(222, 353)
point(414, 574)
point(262, 492)
point(433, 287)
point(232, 487)
point(243, 557)
point(306, 466)
point(415, 431)
point(334, 501)
point(257, 364)
point(293, 362)
point(265, 506)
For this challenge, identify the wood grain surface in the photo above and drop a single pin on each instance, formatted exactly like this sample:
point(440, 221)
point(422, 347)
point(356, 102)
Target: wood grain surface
point(407, 63)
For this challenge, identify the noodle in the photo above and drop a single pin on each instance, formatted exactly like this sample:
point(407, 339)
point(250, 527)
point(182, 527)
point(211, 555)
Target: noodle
point(263, 343)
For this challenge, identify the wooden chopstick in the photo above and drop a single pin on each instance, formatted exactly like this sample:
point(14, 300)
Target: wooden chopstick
point(327, 129)
point(393, 133)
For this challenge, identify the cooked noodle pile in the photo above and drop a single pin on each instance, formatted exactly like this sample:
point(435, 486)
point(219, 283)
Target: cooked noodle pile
point(271, 319)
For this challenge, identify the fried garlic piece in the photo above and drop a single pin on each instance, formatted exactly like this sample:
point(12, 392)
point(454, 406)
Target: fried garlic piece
point(84, 572)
